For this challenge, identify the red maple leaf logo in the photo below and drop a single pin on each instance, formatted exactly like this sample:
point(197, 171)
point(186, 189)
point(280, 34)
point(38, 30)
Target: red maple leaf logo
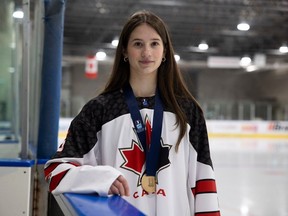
point(134, 158)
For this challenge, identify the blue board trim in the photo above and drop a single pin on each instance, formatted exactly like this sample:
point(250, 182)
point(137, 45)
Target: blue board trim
point(16, 163)
point(90, 204)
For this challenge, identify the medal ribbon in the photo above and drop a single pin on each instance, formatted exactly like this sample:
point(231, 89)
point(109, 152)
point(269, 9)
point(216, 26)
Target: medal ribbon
point(152, 153)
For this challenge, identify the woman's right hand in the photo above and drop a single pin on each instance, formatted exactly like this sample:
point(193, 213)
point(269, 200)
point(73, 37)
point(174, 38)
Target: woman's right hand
point(120, 187)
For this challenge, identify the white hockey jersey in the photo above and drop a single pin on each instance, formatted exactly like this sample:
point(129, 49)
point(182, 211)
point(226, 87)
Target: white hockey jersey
point(102, 144)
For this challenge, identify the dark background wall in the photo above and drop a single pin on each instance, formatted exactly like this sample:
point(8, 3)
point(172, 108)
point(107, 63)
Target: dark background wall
point(221, 85)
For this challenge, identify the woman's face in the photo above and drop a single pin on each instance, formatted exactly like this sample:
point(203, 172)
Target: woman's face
point(145, 51)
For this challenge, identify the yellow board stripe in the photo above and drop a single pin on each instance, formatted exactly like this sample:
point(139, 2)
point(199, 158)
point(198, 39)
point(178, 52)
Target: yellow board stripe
point(62, 135)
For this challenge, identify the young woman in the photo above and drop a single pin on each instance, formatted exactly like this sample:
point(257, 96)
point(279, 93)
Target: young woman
point(144, 137)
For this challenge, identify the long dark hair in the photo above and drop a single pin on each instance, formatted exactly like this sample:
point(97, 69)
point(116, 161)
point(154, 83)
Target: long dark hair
point(169, 80)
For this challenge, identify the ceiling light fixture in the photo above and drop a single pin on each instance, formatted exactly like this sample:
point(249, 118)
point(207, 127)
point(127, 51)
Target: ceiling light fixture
point(100, 55)
point(283, 49)
point(115, 42)
point(177, 57)
point(245, 61)
point(18, 14)
point(243, 26)
point(203, 46)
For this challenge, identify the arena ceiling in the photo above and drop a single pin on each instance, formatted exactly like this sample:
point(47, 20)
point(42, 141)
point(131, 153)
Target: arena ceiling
point(91, 25)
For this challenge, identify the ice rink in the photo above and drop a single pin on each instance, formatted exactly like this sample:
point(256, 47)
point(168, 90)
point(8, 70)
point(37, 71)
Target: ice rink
point(252, 175)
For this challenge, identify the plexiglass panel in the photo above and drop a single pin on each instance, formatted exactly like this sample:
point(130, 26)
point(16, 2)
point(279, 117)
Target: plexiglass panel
point(10, 70)
point(21, 50)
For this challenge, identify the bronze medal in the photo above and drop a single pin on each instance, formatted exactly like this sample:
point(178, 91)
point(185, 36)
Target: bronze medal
point(149, 183)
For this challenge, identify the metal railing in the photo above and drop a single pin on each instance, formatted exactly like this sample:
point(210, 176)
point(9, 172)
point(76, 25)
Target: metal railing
point(244, 110)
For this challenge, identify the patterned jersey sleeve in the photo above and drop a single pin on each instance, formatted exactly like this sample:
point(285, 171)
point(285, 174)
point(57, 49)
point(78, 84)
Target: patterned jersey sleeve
point(74, 168)
point(201, 173)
